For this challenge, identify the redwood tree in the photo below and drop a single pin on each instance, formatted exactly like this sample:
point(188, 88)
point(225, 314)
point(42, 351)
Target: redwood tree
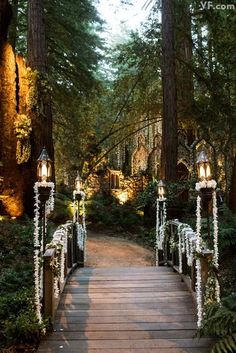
point(169, 124)
point(39, 108)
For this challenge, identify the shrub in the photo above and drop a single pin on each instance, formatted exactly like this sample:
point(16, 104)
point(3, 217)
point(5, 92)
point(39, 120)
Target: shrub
point(220, 321)
point(18, 322)
point(63, 210)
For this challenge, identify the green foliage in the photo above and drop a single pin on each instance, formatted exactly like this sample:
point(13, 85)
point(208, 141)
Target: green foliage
point(220, 321)
point(147, 237)
point(18, 322)
point(227, 228)
point(107, 211)
point(25, 328)
point(63, 210)
point(177, 204)
point(16, 256)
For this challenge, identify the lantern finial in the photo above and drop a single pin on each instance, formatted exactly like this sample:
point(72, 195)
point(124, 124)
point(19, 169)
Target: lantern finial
point(203, 166)
point(161, 189)
point(44, 166)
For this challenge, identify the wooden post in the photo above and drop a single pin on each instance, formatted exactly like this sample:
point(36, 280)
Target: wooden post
point(48, 293)
point(193, 275)
point(74, 245)
point(205, 261)
point(69, 253)
point(184, 264)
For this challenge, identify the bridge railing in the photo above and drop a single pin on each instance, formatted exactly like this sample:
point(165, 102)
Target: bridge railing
point(180, 251)
point(62, 256)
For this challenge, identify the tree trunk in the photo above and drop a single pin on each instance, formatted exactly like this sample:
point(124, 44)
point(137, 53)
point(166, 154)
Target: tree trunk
point(184, 58)
point(36, 41)
point(169, 122)
point(5, 18)
point(13, 25)
point(232, 194)
point(39, 109)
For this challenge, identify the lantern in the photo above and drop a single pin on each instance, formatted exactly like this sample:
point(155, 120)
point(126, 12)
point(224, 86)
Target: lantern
point(44, 167)
point(78, 183)
point(203, 167)
point(161, 190)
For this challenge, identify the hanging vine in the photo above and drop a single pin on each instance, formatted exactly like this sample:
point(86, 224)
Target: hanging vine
point(23, 128)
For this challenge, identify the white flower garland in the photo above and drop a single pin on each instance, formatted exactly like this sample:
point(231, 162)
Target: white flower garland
point(38, 245)
point(80, 228)
point(199, 293)
point(215, 242)
point(186, 244)
point(157, 231)
point(211, 184)
point(161, 216)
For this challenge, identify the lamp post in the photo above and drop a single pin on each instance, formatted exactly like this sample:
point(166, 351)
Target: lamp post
point(204, 176)
point(78, 235)
point(77, 193)
point(206, 187)
point(160, 222)
point(44, 175)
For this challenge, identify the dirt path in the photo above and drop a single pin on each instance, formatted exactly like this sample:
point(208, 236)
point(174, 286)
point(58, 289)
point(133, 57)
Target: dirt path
point(112, 251)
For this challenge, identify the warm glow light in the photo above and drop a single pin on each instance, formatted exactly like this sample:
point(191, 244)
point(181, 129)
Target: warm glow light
point(122, 197)
point(78, 183)
point(203, 167)
point(44, 167)
point(202, 172)
point(161, 190)
point(44, 171)
point(208, 172)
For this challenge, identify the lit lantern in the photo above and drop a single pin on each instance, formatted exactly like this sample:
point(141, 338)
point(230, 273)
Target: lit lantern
point(44, 166)
point(161, 190)
point(203, 167)
point(78, 183)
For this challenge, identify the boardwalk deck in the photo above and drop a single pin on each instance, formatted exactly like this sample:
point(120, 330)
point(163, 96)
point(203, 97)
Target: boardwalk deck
point(125, 310)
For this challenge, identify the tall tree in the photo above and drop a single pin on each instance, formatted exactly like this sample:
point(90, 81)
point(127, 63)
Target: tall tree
point(169, 122)
point(40, 111)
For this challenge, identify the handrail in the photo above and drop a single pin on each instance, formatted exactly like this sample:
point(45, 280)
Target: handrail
point(62, 256)
point(180, 252)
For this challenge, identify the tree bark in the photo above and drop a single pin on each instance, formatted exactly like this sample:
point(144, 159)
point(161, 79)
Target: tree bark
point(40, 113)
point(36, 40)
point(12, 194)
point(232, 193)
point(13, 25)
point(169, 122)
point(185, 54)
point(5, 18)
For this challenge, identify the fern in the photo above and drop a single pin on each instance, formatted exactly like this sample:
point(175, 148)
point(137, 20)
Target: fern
point(220, 321)
point(226, 345)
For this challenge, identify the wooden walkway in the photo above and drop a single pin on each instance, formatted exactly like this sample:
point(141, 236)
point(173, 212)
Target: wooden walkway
point(125, 310)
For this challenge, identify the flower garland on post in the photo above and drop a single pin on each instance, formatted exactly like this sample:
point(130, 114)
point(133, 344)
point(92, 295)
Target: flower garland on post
point(206, 184)
point(38, 243)
point(161, 216)
point(81, 228)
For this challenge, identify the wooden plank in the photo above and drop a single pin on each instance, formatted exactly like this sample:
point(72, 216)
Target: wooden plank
point(137, 311)
point(68, 299)
point(126, 306)
point(111, 295)
point(65, 348)
point(128, 344)
point(163, 277)
point(121, 335)
point(158, 286)
point(123, 319)
point(125, 292)
point(117, 270)
point(126, 326)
